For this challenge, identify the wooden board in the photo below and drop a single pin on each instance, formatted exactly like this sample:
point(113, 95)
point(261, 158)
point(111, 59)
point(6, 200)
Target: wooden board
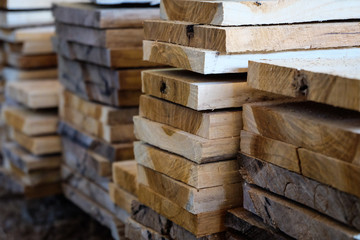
point(121, 197)
point(106, 78)
point(209, 124)
point(112, 152)
point(125, 176)
point(39, 145)
point(27, 34)
point(35, 47)
point(230, 13)
point(35, 94)
point(129, 57)
point(321, 197)
point(107, 38)
point(279, 153)
point(179, 142)
point(117, 2)
point(196, 175)
point(284, 215)
point(26, 162)
point(31, 61)
point(197, 224)
point(331, 81)
point(31, 5)
point(90, 15)
point(14, 74)
point(212, 62)
point(134, 230)
point(334, 131)
point(18, 19)
point(191, 199)
point(254, 38)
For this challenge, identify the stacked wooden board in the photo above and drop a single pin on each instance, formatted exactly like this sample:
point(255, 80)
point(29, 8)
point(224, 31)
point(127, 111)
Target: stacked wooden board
point(100, 61)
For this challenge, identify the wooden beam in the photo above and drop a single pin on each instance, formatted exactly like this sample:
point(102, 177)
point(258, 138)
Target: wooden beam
point(209, 124)
point(121, 197)
point(30, 5)
point(117, 2)
point(316, 195)
point(125, 176)
point(196, 175)
point(258, 38)
point(284, 215)
point(191, 199)
point(329, 81)
point(334, 131)
point(27, 34)
point(14, 74)
point(107, 38)
point(179, 142)
point(250, 13)
point(31, 61)
point(212, 62)
point(35, 47)
point(20, 19)
point(134, 230)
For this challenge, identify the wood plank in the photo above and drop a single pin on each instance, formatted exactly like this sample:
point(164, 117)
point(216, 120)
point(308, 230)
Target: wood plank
point(27, 34)
point(128, 57)
point(197, 224)
point(19, 19)
point(258, 38)
point(230, 13)
point(209, 124)
point(35, 94)
point(279, 153)
point(29, 47)
point(39, 145)
point(112, 152)
point(134, 230)
point(97, 16)
point(29, 122)
point(14, 74)
point(316, 195)
point(191, 199)
point(196, 175)
point(31, 61)
point(27, 162)
point(30, 5)
point(284, 215)
point(125, 176)
point(328, 81)
point(108, 38)
point(119, 2)
point(121, 197)
point(212, 62)
point(179, 142)
point(334, 131)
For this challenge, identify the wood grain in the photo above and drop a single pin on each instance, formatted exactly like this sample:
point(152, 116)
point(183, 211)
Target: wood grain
point(121, 197)
point(135, 230)
point(125, 176)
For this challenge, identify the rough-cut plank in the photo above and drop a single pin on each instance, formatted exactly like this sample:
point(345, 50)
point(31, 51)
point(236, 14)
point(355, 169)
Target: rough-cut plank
point(195, 175)
point(112, 152)
point(29, 47)
point(321, 197)
point(14, 74)
point(35, 94)
point(92, 191)
point(328, 130)
point(108, 38)
point(31, 61)
point(108, 57)
point(125, 2)
point(191, 199)
point(251, 225)
point(230, 13)
point(212, 62)
point(331, 81)
point(284, 215)
point(90, 15)
point(197, 224)
point(26, 162)
point(209, 124)
point(134, 230)
point(102, 113)
point(279, 153)
point(18, 19)
point(125, 175)
point(254, 38)
point(201, 92)
point(27, 34)
point(180, 142)
point(39, 145)
point(121, 197)
point(30, 122)
point(31, 5)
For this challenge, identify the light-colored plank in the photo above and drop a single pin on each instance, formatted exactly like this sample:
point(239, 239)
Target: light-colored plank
point(121, 197)
point(196, 175)
point(18, 19)
point(117, 2)
point(331, 81)
point(94, 16)
point(125, 176)
point(211, 62)
point(230, 13)
point(31, 5)
point(108, 38)
point(29, 122)
point(134, 230)
point(209, 124)
point(30, 47)
point(195, 148)
point(254, 38)
point(31, 61)
point(14, 74)
point(27, 34)
point(189, 198)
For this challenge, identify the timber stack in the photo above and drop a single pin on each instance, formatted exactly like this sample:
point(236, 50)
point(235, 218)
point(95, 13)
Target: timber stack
point(189, 119)
point(100, 62)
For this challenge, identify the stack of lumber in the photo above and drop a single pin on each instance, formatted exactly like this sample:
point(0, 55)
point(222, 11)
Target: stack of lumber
point(100, 61)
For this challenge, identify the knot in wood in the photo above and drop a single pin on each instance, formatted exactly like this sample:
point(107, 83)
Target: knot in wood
point(300, 83)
